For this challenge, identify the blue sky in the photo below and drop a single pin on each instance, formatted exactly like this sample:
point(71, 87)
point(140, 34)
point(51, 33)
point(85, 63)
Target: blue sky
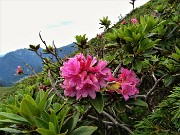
point(58, 20)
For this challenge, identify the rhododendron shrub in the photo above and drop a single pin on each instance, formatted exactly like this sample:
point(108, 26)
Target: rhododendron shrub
point(84, 76)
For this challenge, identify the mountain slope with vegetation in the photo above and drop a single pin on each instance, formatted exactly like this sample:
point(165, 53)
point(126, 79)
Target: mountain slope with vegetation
point(11, 60)
point(124, 81)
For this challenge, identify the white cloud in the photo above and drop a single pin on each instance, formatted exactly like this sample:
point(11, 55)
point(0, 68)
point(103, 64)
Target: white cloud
point(58, 20)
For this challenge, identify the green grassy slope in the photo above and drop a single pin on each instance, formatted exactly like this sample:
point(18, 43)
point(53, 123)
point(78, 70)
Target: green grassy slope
point(4, 91)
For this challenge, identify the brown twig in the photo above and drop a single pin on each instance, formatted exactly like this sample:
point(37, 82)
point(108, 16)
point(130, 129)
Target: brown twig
point(117, 69)
point(117, 123)
point(54, 86)
point(176, 75)
point(105, 122)
point(55, 54)
point(85, 113)
point(154, 86)
point(31, 69)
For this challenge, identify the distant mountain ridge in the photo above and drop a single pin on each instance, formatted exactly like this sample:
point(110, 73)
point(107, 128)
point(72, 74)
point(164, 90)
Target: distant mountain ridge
point(10, 61)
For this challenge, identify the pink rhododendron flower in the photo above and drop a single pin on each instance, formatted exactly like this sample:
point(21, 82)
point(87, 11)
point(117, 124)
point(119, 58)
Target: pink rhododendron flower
point(111, 78)
point(100, 36)
point(84, 76)
point(19, 70)
point(134, 20)
point(128, 81)
point(128, 76)
point(123, 22)
point(128, 90)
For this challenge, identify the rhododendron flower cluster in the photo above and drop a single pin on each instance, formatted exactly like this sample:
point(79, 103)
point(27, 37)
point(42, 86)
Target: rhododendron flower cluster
point(84, 76)
point(134, 20)
point(128, 82)
point(19, 70)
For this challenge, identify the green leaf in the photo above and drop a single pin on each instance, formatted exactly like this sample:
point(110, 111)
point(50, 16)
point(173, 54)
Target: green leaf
point(39, 96)
point(14, 108)
point(71, 122)
point(11, 130)
point(32, 47)
point(41, 123)
point(137, 65)
point(42, 102)
point(98, 102)
point(38, 46)
point(9, 121)
point(71, 100)
point(120, 106)
point(149, 53)
point(63, 114)
point(177, 50)
point(62, 133)
point(128, 48)
point(48, 103)
point(32, 105)
point(139, 102)
point(136, 36)
point(129, 39)
point(52, 127)
point(168, 80)
point(84, 130)
point(43, 131)
point(13, 116)
point(26, 111)
point(53, 119)
point(144, 45)
point(128, 60)
point(45, 116)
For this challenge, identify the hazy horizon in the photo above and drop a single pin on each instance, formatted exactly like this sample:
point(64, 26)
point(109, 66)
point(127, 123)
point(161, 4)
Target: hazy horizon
point(21, 21)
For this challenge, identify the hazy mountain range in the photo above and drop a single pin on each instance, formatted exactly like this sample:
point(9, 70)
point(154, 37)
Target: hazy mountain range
point(10, 61)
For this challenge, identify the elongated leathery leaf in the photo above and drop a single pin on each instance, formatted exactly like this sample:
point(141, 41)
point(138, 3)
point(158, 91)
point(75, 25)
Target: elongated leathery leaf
point(43, 131)
point(12, 116)
point(84, 130)
point(11, 130)
point(41, 123)
point(42, 103)
point(71, 122)
point(98, 102)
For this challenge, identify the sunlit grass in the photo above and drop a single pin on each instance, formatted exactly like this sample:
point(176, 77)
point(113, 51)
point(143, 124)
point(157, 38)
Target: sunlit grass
point(5, 90)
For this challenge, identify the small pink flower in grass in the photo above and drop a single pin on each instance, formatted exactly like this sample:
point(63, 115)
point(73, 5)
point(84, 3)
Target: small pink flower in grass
point(123, 22)
point(19, 70)
point(84, 76)
point(134, 20)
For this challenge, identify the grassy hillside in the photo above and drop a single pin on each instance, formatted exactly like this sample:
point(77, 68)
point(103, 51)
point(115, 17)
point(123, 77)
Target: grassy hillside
point(5, 90)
